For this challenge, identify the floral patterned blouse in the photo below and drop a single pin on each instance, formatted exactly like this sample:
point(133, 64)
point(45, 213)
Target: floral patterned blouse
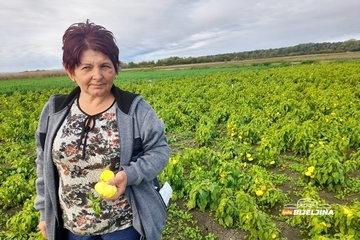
point(83, 147)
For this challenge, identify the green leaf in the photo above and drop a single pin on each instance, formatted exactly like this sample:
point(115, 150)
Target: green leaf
point(335, 176)
point(229, 221)
point(191, 204)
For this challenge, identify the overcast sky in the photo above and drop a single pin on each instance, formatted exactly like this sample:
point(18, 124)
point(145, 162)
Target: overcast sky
point(31, 30)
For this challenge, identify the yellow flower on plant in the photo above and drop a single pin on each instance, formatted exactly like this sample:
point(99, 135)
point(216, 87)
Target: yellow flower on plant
point(272, 162)
point(311, 169)
point(273, 236)
point(308, 173)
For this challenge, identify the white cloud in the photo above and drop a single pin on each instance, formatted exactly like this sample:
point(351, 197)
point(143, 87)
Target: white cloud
point(154, 29)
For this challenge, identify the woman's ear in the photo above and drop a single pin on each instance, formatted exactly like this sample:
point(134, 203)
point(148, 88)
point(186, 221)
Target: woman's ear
point(70, 74)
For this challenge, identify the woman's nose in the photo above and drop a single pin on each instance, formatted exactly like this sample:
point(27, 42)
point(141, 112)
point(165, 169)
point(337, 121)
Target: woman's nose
point(96, 73)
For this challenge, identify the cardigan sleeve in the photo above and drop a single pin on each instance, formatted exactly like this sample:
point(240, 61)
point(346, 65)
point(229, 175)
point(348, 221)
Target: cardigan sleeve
point(156, 152)
point(40, 137)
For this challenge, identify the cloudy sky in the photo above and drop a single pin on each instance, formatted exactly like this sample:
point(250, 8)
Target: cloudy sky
point(31, 30)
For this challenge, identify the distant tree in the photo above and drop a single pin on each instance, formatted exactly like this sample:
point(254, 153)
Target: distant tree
point(300, 49)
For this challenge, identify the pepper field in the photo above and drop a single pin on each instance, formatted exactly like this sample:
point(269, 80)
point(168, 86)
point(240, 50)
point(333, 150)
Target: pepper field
point(249, 145)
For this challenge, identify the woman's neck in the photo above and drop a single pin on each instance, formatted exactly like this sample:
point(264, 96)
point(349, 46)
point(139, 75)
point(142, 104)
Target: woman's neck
point(93, 105)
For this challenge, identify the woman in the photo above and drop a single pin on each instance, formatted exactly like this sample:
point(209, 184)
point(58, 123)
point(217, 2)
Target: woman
point(96, 127)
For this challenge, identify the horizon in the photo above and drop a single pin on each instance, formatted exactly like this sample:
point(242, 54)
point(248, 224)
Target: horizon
point(61, 69)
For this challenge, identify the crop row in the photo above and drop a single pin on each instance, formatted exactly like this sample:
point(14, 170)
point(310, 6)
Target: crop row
point(242, 125)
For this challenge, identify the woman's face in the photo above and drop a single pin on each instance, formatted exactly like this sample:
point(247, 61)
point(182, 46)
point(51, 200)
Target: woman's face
point(94, 75)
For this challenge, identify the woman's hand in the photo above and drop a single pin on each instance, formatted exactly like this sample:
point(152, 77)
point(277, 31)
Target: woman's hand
point(120, 181)
point(42, 227)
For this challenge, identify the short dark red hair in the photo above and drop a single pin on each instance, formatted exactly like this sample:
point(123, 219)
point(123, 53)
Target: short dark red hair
point(80, 37)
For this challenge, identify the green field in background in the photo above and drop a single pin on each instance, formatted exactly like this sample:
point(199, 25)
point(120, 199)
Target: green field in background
point(34, 84)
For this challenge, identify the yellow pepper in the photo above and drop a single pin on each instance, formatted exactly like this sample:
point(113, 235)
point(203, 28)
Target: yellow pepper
point(106, 175)
point(259, 193)
point(103, 188)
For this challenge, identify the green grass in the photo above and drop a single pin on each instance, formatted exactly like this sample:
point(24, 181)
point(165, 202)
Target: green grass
point(7, 87)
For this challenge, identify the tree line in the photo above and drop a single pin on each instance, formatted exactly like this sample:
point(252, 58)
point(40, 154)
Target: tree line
point(300, 49)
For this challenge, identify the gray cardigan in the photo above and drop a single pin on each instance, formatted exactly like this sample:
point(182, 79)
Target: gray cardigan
point(149, 210)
